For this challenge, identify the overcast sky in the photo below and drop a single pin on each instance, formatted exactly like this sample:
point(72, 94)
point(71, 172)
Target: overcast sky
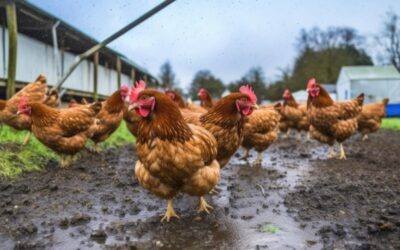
point(227, 37)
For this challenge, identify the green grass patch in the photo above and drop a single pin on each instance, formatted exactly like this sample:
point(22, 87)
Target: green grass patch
point(16, 158)
point(391, 123)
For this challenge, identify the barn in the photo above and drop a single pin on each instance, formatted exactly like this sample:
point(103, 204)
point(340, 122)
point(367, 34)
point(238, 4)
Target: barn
point(376, 82)
point(48, 45)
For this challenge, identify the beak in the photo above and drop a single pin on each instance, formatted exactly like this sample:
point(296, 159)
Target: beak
point(132, 106)
point(255, 106)
point(18, 113)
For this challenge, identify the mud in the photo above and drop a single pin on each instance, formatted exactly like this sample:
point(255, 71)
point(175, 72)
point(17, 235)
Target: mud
point(296, 200)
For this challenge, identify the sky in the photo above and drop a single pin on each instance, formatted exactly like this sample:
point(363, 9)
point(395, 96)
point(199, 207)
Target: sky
point(227, 37)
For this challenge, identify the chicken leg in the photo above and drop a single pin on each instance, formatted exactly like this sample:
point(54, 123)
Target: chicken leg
point(246, 154)
point(298, 136)
point(170, 212)
point(287, 134)
point(331, 152)
point(95, 148)
point(258, 161)
point(342, 155)
point(203, 205)
point(27, 138)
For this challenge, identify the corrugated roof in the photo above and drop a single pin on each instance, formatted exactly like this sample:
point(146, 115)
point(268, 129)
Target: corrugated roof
point(371, 72)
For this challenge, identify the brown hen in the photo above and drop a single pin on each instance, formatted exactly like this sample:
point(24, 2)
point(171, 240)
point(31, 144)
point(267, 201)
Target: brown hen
point(173, 156)
point(371, 116)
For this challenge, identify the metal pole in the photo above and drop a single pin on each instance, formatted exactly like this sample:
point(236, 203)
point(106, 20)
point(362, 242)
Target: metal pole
point(12, 47)
point(55, 49)
point(97, 47)
point(95, 75)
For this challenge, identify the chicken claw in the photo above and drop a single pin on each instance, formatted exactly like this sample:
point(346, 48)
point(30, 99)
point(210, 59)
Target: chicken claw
point(170, 212)
point(27, 138)
point(246, 154)
point(258, 161)
point(331, 152)
point(365, 137)
point(342, 155)
point(204, 206)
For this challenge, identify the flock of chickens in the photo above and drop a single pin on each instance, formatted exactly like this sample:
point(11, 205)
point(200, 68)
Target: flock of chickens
point(181, 147)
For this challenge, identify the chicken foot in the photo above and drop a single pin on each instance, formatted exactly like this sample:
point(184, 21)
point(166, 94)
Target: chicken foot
point(287, 134)
point(298, 136)
point(331, 152)
point(170, 212)
point(95, 148)
point(27, 138)
point(365, 137)
point(246, 154)
point(258, 161)
point(342, 155)
point(204, 206)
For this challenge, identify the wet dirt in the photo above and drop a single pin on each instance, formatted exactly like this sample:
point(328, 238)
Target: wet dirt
point(97, 204)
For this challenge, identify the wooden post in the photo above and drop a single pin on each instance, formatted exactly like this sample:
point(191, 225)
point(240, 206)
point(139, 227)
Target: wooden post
point(133, 76)
point(12, 48)
point(145, 78)
point(118, 72)
point(95, 75)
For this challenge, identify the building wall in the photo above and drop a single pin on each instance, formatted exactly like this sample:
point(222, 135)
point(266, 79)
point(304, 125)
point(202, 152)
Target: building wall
point(343, 91)
point(35, 57)
point(377, 89)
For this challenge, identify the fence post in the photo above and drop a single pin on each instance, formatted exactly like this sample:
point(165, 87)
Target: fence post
point(95, 75)
point(12, 48)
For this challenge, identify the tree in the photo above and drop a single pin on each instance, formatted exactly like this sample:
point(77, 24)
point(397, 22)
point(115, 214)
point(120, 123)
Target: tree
point(167, 76)
point(322, 53)
point(389, 40)
point(255, 78)
point(205, 79)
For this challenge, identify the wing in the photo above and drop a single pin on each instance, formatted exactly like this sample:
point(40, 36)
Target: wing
point(77, 119)
point(349, 109)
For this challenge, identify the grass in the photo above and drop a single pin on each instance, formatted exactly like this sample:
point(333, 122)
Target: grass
point(391, 123)
point(16, 158)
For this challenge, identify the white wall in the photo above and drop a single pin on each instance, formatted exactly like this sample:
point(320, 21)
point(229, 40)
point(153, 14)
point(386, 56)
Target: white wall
point(35, 57)
point(376, 90)
point(343, 85)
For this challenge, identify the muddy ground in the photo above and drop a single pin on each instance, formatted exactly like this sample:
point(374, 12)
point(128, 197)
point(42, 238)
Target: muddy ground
point(297, 200)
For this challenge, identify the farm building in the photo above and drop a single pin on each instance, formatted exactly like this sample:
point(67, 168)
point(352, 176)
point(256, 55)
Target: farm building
point(376, 82)
point(48, 45)
point(302, 95)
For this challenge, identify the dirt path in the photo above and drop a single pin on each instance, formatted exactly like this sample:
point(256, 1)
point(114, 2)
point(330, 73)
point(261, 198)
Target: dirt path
point(98, 204)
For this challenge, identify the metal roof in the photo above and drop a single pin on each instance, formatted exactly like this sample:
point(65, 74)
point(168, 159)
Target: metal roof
point(37, 23)
point(370, 72)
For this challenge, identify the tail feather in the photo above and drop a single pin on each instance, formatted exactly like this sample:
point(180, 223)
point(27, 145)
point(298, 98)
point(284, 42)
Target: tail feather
point(385, 101)
point(96, 106)
point(41, 78)
point(360, 99)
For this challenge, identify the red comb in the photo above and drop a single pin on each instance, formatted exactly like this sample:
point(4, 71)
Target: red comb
point(136, 89)
point(286, 92)
point(311, 82)
point(22, 103)
point(246, 89)
point(125, 87)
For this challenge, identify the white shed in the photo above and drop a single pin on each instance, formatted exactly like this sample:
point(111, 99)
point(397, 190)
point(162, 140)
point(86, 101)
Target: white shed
point(376, 82)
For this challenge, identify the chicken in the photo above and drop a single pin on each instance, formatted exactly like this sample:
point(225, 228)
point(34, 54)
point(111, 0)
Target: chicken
point(75, 103)
point(370, 119)
point(260, 131)
point(173, 156)
point(52, 99)
point(131, 119)
point(295, 115)
point(206, 100)
point(36, 92)
point(65, 131)
point(225, 121)
point(110, 116)
point(331, 121)
point(178, 99)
